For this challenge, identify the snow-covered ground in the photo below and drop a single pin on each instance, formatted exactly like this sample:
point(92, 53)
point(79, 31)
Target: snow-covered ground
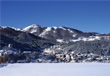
point(56, 69)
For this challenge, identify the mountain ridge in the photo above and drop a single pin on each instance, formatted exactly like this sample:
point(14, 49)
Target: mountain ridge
point(60, 34)
point(22, 40)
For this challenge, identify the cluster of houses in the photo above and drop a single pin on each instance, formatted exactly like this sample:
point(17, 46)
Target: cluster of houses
point(106, 37)
point(5, 52)
point(18, 57)
point(100, 37)
point(63, 56)
point(11, 55)
point(52, 49)
point(82, 58)
point(73, 57)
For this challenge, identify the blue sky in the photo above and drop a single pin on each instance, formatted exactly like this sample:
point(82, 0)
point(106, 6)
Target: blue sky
point(87, 16)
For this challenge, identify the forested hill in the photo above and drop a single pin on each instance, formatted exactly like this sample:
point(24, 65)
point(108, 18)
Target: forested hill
point(22, 40)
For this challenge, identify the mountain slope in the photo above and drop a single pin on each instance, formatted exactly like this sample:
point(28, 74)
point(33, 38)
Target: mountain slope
point(61, 33)
point(22, 40)
point(54, 32)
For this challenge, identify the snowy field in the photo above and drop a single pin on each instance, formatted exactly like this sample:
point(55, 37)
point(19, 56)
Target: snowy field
point(56, 69)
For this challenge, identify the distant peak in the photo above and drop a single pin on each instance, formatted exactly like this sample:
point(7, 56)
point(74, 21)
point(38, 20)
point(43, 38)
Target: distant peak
point(35, 25)
point(5, 27)
point(31, 26)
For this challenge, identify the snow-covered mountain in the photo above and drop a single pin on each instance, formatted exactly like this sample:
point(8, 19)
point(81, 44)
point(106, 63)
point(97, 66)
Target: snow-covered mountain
point(39, 39)
point(54, 32)
point(22, 40)
point(62, 33)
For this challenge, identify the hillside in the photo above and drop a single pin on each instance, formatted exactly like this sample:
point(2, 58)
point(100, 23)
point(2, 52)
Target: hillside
point(61, 34)
point(22, 40)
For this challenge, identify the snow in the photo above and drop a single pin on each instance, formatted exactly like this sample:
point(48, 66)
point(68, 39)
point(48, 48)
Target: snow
point(33, 31)
point(91, 38)
point(60, 40)
point(48, 29)
point(45, 31)
point(70, 30)
point(1, 50)
point(97, 37)
point(56, 69)
point(31, 26)
point(54, 31)
point(62, 28)
point(74, 35)
point(55, 28)
point(17, 29)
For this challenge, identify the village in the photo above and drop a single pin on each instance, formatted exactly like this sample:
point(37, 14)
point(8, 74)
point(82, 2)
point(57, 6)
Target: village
point(53, 54)
point(11, 55)
point(64, 56)
point(75, 58)
point(58, 57)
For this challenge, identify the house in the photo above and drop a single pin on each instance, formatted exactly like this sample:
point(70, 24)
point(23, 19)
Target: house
point(2, 59)
point(107, 37)
point(1, 52)
point(10, 52)
point(58, 55)
point(10, 45)
point(49, 51)
point(27, 52)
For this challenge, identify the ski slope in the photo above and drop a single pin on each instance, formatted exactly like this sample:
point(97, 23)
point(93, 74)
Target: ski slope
point(56, 69)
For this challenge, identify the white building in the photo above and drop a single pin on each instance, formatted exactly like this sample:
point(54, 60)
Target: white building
point(1, 52)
